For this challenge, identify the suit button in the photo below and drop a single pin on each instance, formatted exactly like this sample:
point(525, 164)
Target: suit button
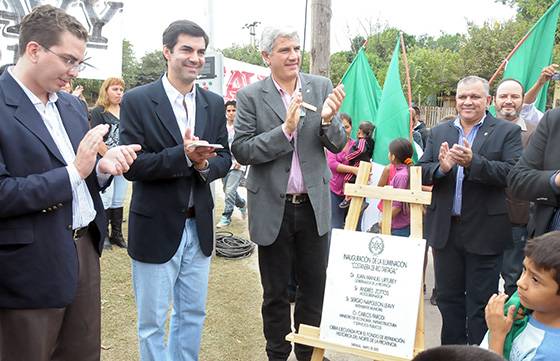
point(59, 205)
point(54, 208)
point(49, 209)
point(69, 227)
point(282, 196)
point(43, 211)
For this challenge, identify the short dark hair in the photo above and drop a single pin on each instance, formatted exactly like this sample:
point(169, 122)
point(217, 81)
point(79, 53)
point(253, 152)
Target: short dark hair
point(544, 251)
point(347, 117)
point(230, 102)
point(176, 28)
point(416, 109)
point(513, 80)
point(457, 353)
point(45, 23)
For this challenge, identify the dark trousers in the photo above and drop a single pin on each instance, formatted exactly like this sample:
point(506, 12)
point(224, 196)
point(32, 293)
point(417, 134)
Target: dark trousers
point(297, 243)
point(464, 282)
point(513, 259)
point(61, 334)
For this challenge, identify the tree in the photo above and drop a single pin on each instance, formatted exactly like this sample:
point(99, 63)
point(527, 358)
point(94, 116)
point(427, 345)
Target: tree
point(248, 54)
point(152, 65)
point(530, 10)
point(130, 66)
point(488, 45)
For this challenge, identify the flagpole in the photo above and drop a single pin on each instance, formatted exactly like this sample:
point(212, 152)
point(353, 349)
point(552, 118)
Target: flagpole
point(505, 61)
point(409, 91)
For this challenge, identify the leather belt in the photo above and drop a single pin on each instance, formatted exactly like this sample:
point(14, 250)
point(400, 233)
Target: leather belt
point(190, 213)
point(297, 198)
point(79, 233)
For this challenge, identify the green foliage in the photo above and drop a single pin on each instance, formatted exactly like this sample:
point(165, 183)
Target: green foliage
point(530, 10)
point(152, 66)
point(130, 66)
point(248, 54)
point(488, 45)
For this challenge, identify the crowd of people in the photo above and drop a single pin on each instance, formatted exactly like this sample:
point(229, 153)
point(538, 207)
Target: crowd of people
point(495, 210)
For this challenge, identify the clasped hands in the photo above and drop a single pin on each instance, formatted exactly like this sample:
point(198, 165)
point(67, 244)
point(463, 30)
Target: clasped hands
point(115, 161)
point(330, 108)
point(458, 154)
point(198, 155)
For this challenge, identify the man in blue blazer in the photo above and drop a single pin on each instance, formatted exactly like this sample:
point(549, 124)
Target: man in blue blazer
point(51, 216)
point(467, 161)
point(171, 222)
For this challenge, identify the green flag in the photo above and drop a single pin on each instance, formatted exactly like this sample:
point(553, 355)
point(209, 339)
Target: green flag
point(393, 115)
point(362, 92)
point(535, 53)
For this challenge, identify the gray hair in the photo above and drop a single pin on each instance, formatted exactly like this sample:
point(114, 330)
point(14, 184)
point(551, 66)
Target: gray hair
point(475, 79)
point(270, 34)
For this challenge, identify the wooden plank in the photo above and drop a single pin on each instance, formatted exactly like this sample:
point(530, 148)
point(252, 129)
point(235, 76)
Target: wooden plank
point(353, 216)
point(387, 215)
point(401, 195)
point(315, 341)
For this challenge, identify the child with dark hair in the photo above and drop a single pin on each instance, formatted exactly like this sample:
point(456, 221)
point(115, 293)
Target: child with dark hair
point(457, 353)
point(400, 155)
point(362, 150)
point(536, 335)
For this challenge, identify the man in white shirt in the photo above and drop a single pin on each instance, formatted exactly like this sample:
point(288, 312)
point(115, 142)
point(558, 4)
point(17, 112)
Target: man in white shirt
point(51, 216)
point(171, 226)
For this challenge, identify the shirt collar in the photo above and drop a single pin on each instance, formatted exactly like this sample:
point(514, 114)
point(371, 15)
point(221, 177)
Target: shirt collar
point(53, 97)
point(457, 122)
point(521, 122)
point(282, 91)
point(173, 94)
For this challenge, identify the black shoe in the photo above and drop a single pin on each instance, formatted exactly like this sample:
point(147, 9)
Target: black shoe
point(433, 297)
point(344, 204)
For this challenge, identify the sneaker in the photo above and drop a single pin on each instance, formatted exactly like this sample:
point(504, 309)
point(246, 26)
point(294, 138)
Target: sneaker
point(224, 222)
point(344, 204)
point(243, 211)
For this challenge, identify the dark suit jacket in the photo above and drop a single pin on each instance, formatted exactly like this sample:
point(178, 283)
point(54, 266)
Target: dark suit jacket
point(162, 178)
point(38, 260)
point(530, 178)
point(496, 148)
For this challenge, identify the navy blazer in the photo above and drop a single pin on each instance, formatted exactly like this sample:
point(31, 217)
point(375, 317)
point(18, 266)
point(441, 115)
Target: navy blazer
point(162, 178)
point(38, 259)
point(496, 148)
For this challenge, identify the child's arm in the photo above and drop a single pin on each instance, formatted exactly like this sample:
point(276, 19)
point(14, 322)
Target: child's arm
point(383, 180)
point(498, 324)
point(361, 146)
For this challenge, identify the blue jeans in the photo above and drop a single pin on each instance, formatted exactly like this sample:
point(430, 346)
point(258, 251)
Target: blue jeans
point(338, 215)
point(513, 259)
point(233, 199)
point(181, 281)
point(114, 195)
point(403, 232)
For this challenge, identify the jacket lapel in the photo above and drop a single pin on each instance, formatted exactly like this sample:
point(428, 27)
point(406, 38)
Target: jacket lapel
point(68, 115)
point(165, 113)
point(201, 114)
point(273, 100)
point(483, 133)
point(28, 116)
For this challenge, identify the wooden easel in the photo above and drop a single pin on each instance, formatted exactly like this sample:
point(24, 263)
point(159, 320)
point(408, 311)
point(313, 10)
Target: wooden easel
point(309, 335)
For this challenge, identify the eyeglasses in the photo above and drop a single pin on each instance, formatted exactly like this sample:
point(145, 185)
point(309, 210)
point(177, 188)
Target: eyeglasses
point(70, 62)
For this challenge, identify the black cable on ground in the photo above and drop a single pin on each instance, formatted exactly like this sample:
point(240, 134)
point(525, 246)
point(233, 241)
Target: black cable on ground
point(232, 247)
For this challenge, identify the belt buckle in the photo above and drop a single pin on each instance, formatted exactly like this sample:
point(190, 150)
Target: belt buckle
point(297, 199)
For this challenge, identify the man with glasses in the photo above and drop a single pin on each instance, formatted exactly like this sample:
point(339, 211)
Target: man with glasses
point(51, 215)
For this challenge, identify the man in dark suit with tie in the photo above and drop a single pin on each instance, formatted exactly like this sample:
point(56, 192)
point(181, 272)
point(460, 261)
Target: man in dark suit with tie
point(171, 222)
point(51, 215)
point(467, 161)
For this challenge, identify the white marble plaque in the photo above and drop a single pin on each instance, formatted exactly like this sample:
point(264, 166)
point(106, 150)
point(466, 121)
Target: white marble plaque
point(373, 291)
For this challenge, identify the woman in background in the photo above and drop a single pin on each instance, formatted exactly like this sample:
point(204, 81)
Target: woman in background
point(107, 111)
